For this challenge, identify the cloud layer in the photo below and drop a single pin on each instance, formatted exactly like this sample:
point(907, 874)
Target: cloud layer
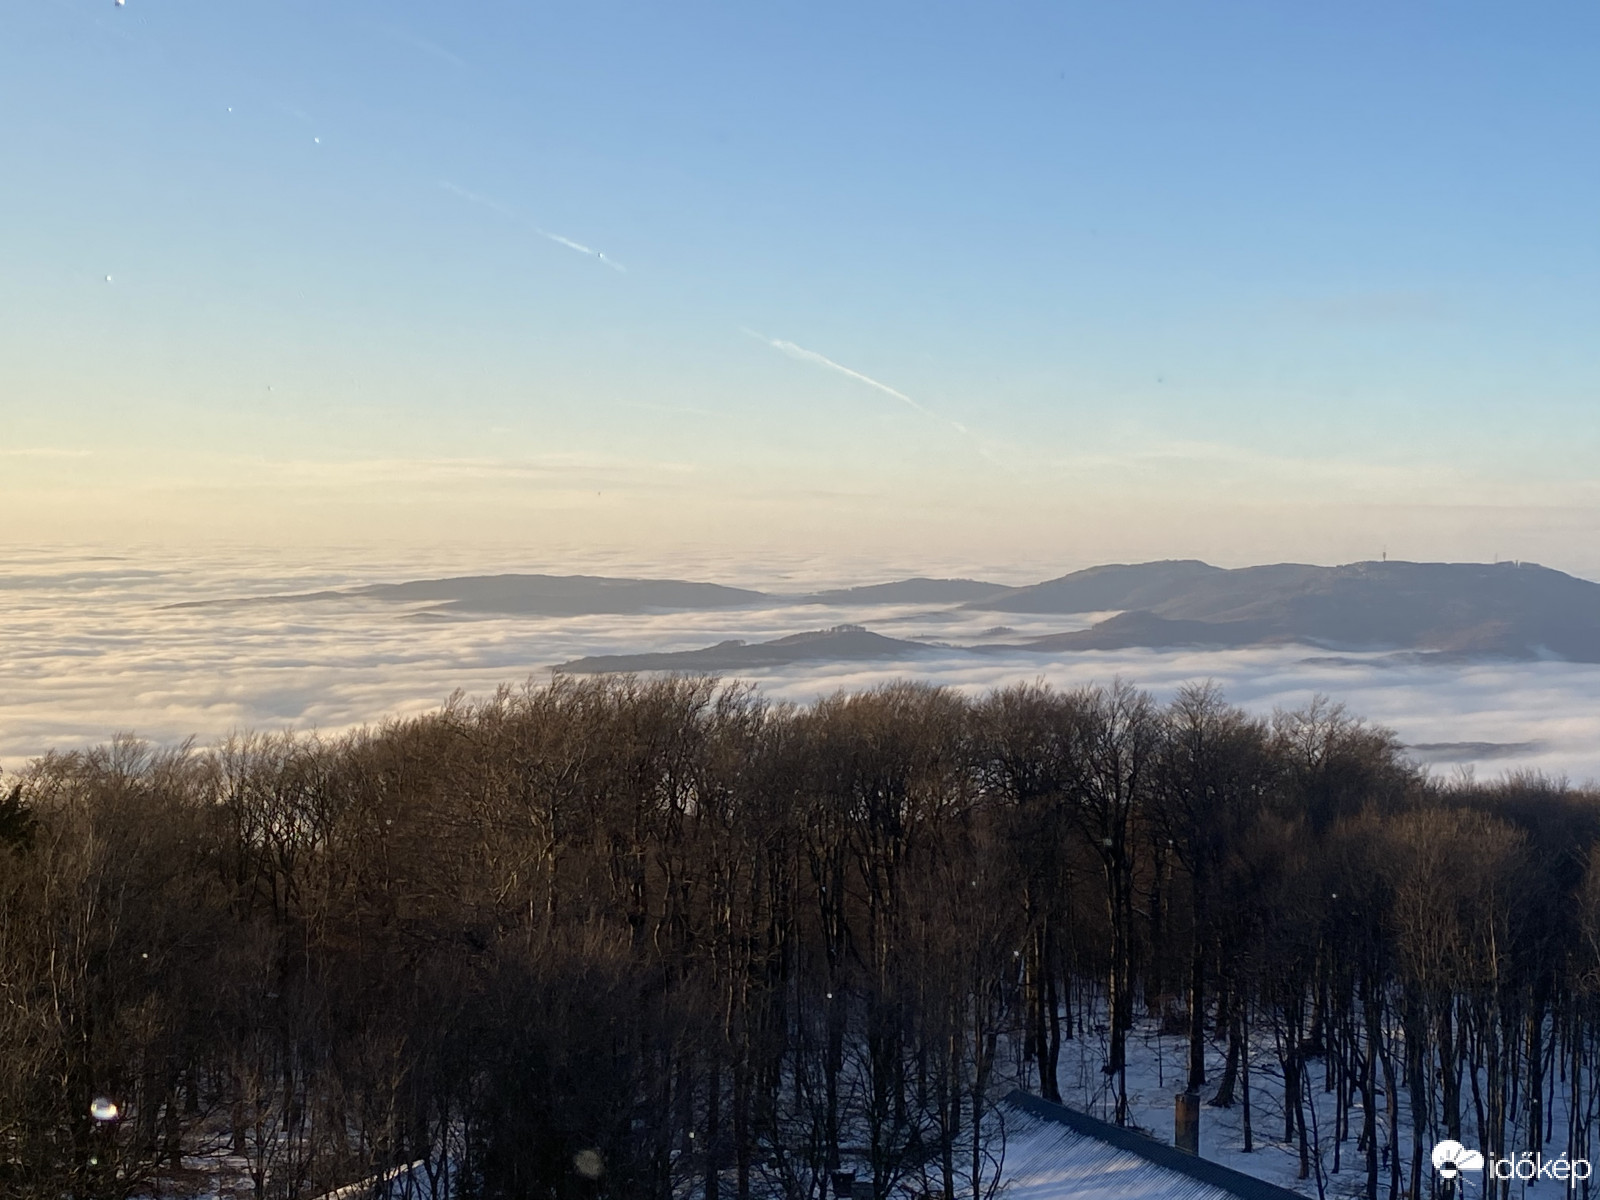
point(88, 649)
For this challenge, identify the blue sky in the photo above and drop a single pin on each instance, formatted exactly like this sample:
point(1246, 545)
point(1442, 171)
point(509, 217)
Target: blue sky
point(1241, 281)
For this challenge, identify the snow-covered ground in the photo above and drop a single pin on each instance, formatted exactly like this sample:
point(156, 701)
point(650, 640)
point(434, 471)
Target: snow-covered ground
point(224, 1176)
point(1156, 1073)
point(1157, 1067)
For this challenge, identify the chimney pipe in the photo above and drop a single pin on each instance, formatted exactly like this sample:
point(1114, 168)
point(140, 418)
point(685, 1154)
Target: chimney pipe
point(1186, 1123)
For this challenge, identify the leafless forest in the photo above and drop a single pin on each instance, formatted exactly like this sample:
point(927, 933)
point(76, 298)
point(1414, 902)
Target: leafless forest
point(633, 938)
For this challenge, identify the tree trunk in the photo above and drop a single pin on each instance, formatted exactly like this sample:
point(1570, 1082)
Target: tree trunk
point(1242, 1017)
point(1449, 1069)
point(713, 1133)
point(1197, 1013)
point(1536, 1076)
point(1228, 1013)
point(1051, 1082)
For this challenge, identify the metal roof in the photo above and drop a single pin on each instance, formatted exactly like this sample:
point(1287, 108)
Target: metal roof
point(1053, 1153)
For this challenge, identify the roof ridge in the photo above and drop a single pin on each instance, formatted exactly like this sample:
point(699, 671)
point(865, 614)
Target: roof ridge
point(1203, 1170)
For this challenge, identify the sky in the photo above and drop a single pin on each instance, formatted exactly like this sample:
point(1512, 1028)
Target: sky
point(1021, 285)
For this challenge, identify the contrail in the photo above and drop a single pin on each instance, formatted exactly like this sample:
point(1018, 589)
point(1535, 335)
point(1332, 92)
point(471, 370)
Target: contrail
point(582, 249)
point(475, 198)
point(505, 211)
point(578, 246)
point(822, 360)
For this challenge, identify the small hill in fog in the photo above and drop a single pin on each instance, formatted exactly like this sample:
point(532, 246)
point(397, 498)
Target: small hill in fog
point(564, 595)
point(843, 643)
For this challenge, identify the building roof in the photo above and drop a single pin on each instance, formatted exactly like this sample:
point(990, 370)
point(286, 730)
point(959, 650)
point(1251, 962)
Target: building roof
point(1053, 1153)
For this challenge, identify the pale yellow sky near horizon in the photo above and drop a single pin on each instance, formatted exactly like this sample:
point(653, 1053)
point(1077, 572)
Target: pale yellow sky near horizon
point(1027, 515)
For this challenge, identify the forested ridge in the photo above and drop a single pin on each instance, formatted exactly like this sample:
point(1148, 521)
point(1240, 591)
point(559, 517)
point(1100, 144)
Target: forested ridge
point(661, 938)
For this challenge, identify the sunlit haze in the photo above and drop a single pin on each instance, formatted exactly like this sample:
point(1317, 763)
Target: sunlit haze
point(1038, 285)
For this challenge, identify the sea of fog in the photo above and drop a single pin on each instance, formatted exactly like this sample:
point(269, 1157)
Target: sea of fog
point(90, 647)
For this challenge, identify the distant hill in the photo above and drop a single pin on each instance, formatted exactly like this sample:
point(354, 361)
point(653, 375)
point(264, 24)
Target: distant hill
point(1449, 752)
point(843, 643)
point(532, 595)
point(1514, 610)
point(1115, 586)
point(564, 595)
point(1127, 630)
point(579, 595)
point(1460, 610)
point(911, 591)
